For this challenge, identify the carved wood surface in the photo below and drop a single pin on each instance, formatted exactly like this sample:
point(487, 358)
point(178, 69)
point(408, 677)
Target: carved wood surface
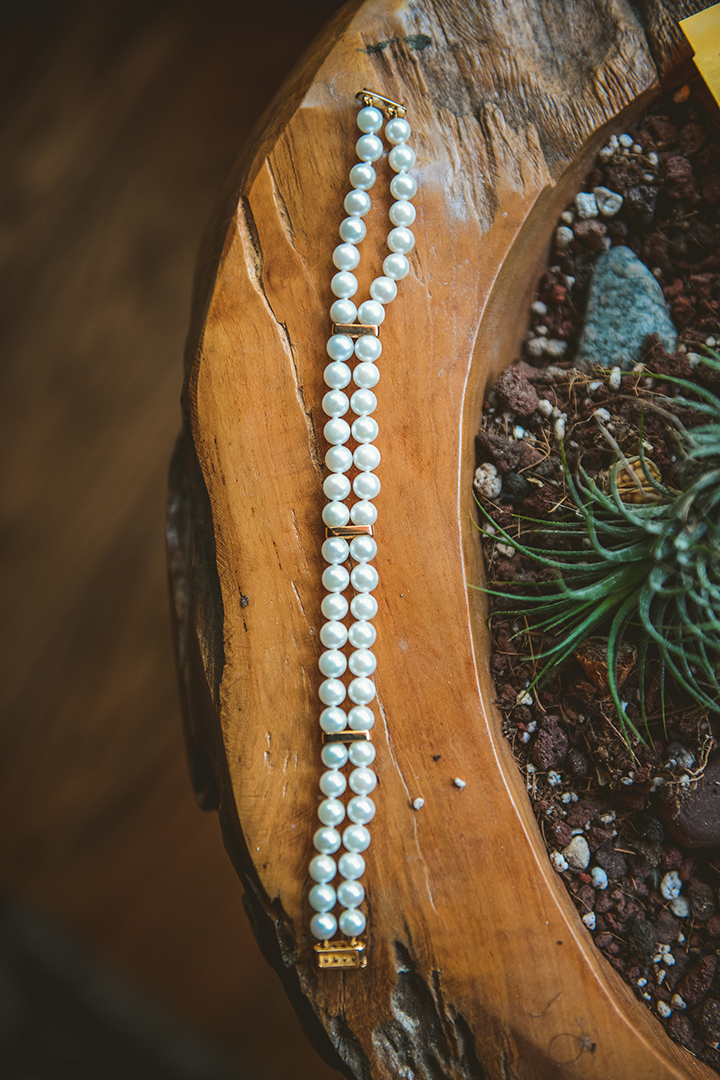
point(479, 965)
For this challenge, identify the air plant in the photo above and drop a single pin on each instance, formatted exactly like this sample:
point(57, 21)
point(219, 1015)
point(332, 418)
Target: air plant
point(648, 571)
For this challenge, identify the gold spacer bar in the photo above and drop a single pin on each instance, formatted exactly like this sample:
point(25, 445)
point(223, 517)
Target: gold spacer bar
point(348, 531)
point(341, 954)
point(345, 737)
point(355, 330)
point(370, 97)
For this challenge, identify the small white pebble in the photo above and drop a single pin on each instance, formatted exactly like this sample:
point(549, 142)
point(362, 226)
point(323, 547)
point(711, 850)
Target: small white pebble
point(681, 937)
point(536, 346)
point(663, 950)
point(710, 342)
point(608, 202)
point(589, 920)
point(656, 272)
point(518, 432)
point(602, 414)
point(669, 959)
point(506, 550)
point(641, 982)
point(605, 153)
point(660, 976)
point(539, 308)
point(559, 429)
point(523, 698)
point(577, 853)
point(524, 737)
point(532, 726)
point(418, 804)
point(569, 280)
point(578, 832)
point(567, 217)
point(541, 331)
point(677, 1002)
point(684, 780)
point(564, 237)
point(647, 997)
point(459, 783)
point(663, 1009)
point(545, 408)
point(653, 159)
point(671, 885)
point(593, 387)
point(558, 861)
point(625, 140)
point(680, 907)
point(487, 481)
point(599, 877)
point(556, 349)
point(626, 780)
point(566, 797)
point(586, 204)
point(649, 177)
point(530, 768)
point(554, 778)
point(615, 380)
point(575, 796)
point(637, 148)
point(607, 819)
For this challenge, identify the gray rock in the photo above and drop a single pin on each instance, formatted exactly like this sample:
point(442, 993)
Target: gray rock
point(625, 304)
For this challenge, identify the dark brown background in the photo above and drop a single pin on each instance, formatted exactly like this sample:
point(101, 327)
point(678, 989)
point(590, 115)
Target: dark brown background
point(119, 122)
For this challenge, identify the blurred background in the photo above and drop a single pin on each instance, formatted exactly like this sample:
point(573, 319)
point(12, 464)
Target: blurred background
point(124, 948)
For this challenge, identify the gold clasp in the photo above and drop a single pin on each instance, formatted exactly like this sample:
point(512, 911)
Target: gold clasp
point(341, 954)
point(390, 108)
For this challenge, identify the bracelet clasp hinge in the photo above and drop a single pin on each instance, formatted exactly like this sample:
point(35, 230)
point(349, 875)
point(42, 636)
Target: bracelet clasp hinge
point(386, 105)
point(341, 954)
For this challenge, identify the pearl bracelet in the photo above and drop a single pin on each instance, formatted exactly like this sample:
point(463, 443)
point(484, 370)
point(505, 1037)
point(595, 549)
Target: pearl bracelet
point(349, 536)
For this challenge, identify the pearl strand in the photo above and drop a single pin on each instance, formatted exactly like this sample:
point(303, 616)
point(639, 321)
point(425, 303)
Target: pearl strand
point(363, 324)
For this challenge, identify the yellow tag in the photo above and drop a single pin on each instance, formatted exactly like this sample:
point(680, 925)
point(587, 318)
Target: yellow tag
point(703, 33)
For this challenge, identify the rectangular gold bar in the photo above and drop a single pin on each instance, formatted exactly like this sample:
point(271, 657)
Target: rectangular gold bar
point(345, 737)
point(355, 330)
point(341, 954)
point(348, 531)
point(370, 97)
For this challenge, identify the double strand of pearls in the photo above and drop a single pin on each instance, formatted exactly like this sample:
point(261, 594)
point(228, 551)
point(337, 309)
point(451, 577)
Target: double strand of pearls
point(360, 635)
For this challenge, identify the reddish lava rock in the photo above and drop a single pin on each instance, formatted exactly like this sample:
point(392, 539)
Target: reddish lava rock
point(551, 744)
point(696, 823)
point(517, 392)
point(694, 985)
point(702, 900)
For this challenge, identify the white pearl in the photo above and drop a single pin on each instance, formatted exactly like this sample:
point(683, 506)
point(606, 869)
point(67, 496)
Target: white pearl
point(362, 662)
point(335, 403)
point(361, 810)
point(352, 922)
point(401, 213)
point(333, 635)
point(366, 375)
point(363, 513)
point(344, 284)
point(340, 346)
point(363, 781)
point(347, 256)
point(400, 241)
point(335, 515)
point(364, 577)
point(336, 578)
point(363, 606)
point(336, 486)
point(338, 459)
point(332, 692)
point(337, 431)
point(337, 375)
point(322, 898)
point(396, 267)
point(327, 840)
point(368, 347)
point(332, 720)
point(323, 869)
point(334, 606)
point(366, 486)
point(363, 402)
point(361, 691)
point(332, 784)
point(401, 158)
point(364, 430)
point(335, 549)
point(397, 130)
point(369, 148)
point(357, 203)
point(403, 186)
point(351, 866)
point(331, 812)
point(361, 718)
point(362, 176)
point(350, 894)
point(363, 548)
point(383, 289)
point(356, 838)
point(343, 311)
point(367, 455)
point(334, 755)
point(361, 754)
point(352, 231)
point(370, 313)
point(361, 635)
point(333, 664)
point(369, 119)
point(323, 926)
